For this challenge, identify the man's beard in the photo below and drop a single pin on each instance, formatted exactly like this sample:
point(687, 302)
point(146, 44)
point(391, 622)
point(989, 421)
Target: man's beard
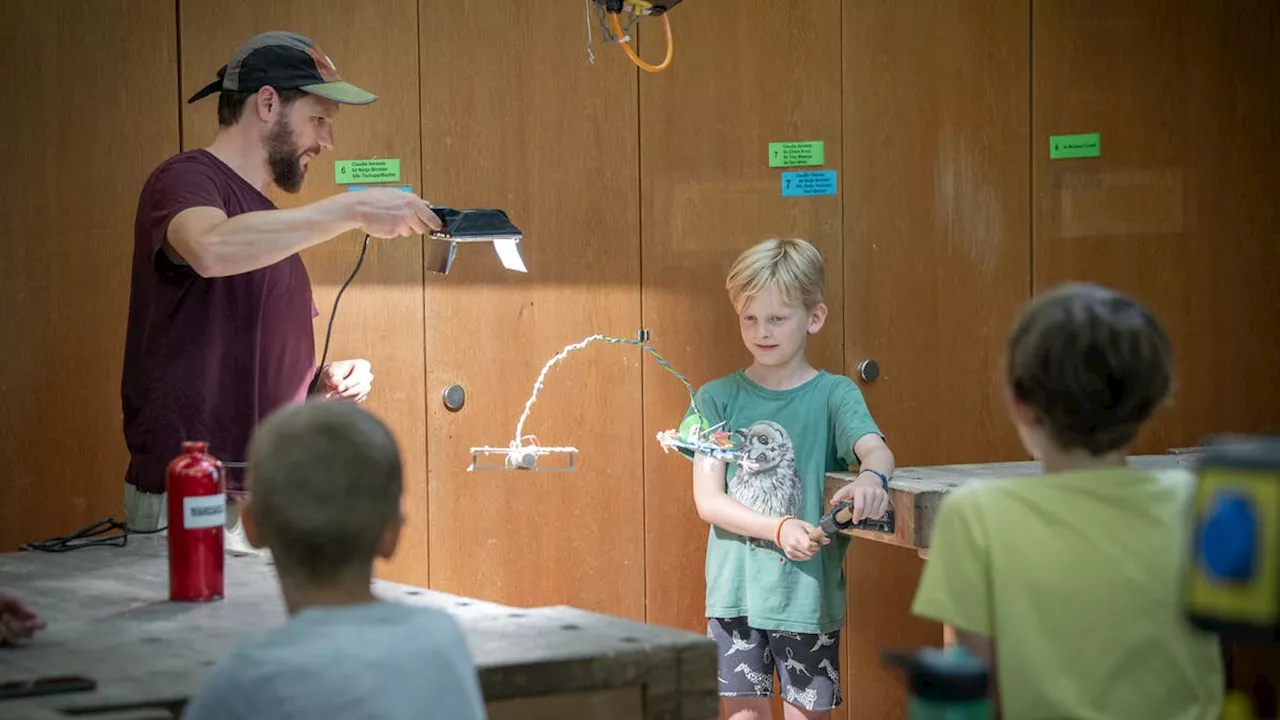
point(284, 158)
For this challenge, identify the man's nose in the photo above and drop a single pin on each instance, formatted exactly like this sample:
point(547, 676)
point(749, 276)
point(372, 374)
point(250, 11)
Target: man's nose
point(325, 138)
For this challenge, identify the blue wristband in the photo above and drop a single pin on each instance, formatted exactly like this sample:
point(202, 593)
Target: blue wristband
point(883, 480)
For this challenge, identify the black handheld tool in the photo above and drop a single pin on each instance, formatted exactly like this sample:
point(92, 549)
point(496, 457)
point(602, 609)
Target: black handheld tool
point(841, 518)
point(478, 225)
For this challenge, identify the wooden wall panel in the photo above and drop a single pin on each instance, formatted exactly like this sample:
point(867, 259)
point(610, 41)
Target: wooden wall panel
point(936, 208)
point(936, 263)
point(514, 117)
point(91, 98)
point(380, 317)
point(763, 72)
point(1179, 210)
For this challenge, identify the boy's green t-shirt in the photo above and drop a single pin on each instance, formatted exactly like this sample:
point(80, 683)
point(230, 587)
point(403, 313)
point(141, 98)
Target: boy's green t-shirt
point(796, 436)
point(1076, 578)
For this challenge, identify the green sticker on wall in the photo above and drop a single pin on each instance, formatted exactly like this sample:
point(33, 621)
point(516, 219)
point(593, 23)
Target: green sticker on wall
point(797, 154)
point(1075, 146)
point(366, 171)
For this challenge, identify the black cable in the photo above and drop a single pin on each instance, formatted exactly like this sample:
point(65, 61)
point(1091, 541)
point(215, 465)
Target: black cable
point(97, 534)
point(324, 356)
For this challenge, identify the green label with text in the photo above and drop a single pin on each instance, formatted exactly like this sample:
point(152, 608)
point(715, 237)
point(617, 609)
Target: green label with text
point(796, 154)
point(366, 171)
point(1075, 146)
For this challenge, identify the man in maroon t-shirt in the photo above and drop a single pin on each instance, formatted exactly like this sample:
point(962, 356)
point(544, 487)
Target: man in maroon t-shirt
point(220, 309)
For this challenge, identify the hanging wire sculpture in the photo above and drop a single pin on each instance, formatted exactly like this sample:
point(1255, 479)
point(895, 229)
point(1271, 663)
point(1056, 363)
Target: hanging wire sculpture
point(693, 436)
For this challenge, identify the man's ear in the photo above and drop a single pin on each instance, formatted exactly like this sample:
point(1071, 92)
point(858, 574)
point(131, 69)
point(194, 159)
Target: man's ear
point(265, 101)
point(250, 523)
point(817, 317)
point(390, 539)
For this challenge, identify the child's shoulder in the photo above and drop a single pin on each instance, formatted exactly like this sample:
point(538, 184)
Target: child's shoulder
point(1060, 486)
point(724, 383)
point(971, 500)
point(720, 392)
point(836, 392)
point(836, 384)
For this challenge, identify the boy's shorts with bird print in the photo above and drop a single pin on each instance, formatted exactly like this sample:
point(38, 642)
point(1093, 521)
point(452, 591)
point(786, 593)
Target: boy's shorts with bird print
point(808, 665)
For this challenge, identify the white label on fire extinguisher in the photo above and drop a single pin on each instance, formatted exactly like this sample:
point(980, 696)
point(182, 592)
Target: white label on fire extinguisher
point(204, 511)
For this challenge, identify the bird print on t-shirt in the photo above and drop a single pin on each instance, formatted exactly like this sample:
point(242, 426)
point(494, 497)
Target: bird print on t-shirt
point(768, 482)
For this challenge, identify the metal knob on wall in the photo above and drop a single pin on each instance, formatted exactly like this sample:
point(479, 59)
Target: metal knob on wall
point(454, 397)
point(868, 370)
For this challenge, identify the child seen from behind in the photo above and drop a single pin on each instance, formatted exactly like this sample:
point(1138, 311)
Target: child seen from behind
point(1067, 584)
point(325, 482)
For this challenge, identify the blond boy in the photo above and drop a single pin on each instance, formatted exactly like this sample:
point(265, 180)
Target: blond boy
point(326, 484)
point(1068, 583)
point(775, 599)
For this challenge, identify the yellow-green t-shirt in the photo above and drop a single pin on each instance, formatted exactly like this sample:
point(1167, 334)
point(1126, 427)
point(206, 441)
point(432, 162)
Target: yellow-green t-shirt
point(1076, 578)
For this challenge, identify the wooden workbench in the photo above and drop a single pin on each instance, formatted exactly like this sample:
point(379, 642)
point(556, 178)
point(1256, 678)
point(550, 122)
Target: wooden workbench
point(110, 619)
point(916, 493)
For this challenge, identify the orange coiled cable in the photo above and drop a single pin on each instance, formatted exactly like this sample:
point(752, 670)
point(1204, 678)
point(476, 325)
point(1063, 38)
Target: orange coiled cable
point(626, 47)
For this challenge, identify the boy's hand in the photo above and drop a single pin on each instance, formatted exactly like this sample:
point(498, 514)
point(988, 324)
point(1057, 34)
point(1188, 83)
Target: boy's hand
point(17, 621)
point(867, 495)
point(796, 542)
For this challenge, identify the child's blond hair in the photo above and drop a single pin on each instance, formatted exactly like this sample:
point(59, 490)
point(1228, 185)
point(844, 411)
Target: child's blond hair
point(791, 265)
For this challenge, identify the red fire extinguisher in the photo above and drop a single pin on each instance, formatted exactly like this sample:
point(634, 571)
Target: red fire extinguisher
point(197, 512)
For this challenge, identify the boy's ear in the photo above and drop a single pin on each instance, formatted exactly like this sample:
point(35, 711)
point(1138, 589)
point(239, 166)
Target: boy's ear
point(817, 317)
point(390, 539)
point(250, 525)
point(1019, 412)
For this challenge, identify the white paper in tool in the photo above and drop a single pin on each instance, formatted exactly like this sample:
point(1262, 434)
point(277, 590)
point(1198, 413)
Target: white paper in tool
point(509, 254)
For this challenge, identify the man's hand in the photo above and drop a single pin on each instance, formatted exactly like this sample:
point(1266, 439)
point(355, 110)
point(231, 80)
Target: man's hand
point(17, 621)
point(347, 379)
point(388, 213)
point(796, 542)
point(868, 496)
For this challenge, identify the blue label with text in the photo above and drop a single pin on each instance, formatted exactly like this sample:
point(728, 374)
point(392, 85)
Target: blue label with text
point(808, 182)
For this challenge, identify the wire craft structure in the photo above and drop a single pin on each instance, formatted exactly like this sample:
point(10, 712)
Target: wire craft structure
point(694, 434)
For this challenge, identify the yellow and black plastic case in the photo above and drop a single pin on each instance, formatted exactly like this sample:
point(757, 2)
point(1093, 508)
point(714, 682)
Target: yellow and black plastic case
point(1232, 582)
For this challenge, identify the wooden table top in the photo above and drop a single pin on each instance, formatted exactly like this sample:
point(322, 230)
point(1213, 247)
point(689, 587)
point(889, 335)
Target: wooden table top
point(109, 618)
point(916, 493)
